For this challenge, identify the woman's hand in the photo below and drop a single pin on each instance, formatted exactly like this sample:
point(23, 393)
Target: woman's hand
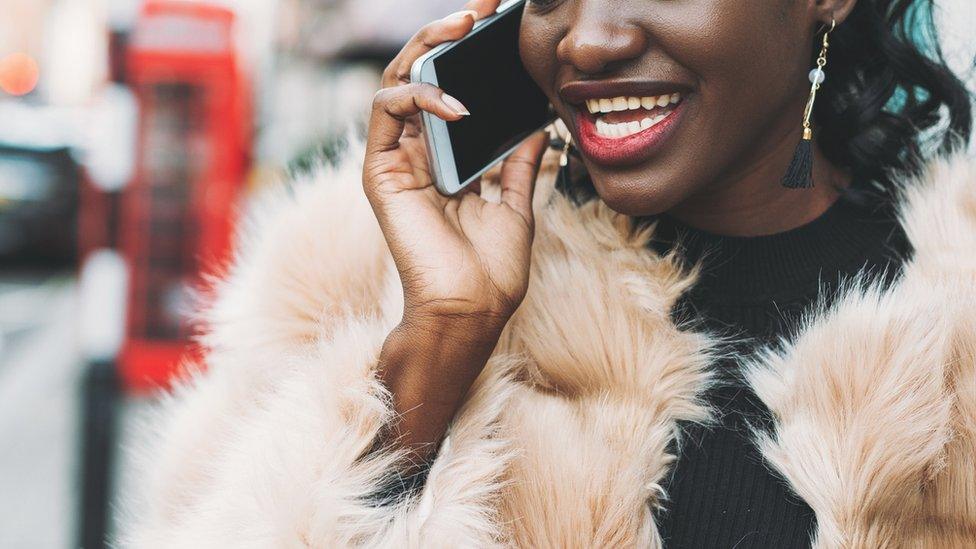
point(457, 256)
point(463, 261)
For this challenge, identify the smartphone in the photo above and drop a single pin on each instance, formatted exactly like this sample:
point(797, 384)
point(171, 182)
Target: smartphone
point(484, 71)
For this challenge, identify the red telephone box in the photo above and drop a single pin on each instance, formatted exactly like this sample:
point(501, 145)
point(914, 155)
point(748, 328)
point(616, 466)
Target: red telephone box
point(177, 215)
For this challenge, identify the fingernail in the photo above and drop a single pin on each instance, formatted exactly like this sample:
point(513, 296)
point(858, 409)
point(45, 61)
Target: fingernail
point(455, 105)
point(461, 14)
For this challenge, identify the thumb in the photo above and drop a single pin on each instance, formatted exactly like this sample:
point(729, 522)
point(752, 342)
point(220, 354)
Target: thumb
point(519, 172)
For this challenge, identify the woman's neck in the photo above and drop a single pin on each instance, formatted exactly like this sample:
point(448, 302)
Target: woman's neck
point(752, 202)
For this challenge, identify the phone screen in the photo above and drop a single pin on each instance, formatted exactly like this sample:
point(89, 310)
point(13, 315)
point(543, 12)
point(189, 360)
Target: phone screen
point(486, 74)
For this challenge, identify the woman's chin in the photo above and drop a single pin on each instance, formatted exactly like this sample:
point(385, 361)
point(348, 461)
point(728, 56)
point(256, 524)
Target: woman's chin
point(637, 197)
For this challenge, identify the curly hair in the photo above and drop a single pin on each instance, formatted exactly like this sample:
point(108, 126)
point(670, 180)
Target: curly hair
point(890, 97)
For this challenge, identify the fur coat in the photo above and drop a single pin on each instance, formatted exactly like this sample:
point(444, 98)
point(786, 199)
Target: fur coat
point(563, 441)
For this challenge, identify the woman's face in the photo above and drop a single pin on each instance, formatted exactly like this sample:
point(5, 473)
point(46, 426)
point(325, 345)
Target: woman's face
point(709, 89)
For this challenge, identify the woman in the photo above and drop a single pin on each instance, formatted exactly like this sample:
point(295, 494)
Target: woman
point(698, 356)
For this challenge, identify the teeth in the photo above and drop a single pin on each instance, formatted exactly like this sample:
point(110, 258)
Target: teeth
point(626, 129)
point(631, 103)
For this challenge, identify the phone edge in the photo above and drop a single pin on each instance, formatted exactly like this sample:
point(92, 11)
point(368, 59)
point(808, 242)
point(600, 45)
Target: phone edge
point(438, 165)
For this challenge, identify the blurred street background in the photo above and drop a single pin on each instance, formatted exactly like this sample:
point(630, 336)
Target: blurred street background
point(132, 133)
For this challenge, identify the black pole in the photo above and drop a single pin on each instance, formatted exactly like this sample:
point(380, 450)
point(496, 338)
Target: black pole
point(99, 412)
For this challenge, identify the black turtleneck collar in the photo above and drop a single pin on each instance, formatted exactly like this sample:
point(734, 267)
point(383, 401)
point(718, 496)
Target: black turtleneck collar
point(840, 241)
point(744, 280)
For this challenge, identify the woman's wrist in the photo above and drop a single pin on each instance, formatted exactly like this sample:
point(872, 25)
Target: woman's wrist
point(453, 330)
point(428, 364)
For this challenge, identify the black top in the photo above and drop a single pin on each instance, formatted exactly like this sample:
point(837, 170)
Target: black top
point(721, 495)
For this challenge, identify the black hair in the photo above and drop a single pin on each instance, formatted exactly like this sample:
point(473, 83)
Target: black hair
point(889, 98)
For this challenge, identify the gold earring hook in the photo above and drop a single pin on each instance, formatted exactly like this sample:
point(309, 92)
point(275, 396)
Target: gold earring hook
point(827, 29)
point(826, 36)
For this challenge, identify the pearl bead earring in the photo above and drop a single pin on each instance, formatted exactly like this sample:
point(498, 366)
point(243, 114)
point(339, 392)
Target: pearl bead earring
point(800, 173)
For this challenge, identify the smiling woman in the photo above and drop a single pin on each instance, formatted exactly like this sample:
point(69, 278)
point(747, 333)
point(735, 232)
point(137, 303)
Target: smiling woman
point(671, 348)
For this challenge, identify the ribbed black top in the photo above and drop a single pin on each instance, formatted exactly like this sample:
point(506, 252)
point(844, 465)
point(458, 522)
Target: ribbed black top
point(721, 495)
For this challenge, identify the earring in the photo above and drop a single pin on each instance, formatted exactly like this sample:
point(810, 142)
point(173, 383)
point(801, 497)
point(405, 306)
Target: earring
point(800, 173)
point(564, 145)
point(564, 160)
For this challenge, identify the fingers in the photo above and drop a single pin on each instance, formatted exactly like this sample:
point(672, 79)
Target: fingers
point(519, 172)
point(474, 188)
point(391, 107)
point(483, 7)
point(452, 27)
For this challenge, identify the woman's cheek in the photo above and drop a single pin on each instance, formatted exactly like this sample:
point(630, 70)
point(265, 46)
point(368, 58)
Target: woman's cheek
point(537, 48)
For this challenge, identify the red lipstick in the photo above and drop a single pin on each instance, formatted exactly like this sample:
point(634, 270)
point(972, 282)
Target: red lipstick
point(625, 150)
point(625, 122)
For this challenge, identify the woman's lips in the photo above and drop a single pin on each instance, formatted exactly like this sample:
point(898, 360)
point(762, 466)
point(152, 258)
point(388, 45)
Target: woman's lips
point(620, 149)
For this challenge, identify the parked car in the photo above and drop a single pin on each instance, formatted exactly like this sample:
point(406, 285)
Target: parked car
point(38, 206)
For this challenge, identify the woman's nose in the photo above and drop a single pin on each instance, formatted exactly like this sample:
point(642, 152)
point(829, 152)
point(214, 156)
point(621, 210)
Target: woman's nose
point(598, 41)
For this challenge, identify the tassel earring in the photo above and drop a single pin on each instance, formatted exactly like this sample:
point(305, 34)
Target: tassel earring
point(800, 173)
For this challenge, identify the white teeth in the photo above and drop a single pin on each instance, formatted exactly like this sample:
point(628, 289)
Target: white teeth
point(631, 103)
point(626, 129)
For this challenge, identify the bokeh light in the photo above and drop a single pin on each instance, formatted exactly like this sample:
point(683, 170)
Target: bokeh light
point(18, 74)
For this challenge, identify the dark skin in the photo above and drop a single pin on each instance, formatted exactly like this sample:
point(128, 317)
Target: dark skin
point(742, 67)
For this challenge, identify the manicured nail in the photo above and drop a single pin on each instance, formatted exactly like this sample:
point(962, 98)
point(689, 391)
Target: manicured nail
point(455, 105)
point(461, 14)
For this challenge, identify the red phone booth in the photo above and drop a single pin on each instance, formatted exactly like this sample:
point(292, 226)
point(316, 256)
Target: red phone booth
point(177, 215)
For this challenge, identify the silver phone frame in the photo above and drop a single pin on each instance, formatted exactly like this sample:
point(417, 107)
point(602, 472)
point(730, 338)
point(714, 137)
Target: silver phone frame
point(440, 151)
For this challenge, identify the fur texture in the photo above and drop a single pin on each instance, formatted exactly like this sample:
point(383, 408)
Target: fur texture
point(874, 401)
point(563, 440)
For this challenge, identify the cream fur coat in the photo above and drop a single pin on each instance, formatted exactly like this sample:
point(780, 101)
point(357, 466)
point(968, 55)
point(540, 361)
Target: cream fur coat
point(563, 440)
